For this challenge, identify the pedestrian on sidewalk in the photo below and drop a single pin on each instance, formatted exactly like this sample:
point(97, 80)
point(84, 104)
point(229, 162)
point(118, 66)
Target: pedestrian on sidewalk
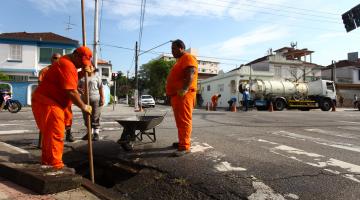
point(52, 97)
point(96, 97)
point(181, 87)
point(355, 100)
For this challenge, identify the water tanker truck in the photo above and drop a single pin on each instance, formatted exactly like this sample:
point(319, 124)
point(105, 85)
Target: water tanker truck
point(286, 94)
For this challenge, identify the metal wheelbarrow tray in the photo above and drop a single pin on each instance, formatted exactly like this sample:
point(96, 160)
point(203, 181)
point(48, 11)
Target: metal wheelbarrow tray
point(141, 125)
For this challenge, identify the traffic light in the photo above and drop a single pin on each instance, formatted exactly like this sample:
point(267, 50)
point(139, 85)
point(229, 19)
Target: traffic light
point(351, 18)
point(113, 76)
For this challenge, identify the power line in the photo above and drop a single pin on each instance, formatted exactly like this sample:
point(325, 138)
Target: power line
point(101, 14)
point(312, 19)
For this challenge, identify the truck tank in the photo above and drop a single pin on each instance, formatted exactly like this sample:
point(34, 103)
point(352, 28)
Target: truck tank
point(285, 88)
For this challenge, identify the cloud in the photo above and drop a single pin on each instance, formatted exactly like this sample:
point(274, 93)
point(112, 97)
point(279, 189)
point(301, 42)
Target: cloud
point(239, 45)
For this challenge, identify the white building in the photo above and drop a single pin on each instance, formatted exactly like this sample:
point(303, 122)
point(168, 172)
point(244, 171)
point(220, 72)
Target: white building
point(347, 77)
point(206, 67)
point(23, 55)
point(287, 63)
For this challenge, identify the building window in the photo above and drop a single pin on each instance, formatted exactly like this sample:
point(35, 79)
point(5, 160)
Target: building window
point(46, 53)
point(15, 53)
point(359, 75)
point(221, 87)
point(208, 88)
point(105, 72)
point(277, 71)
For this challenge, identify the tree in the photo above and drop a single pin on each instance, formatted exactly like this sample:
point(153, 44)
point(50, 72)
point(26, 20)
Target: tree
point(152, 76)
point(4, 77)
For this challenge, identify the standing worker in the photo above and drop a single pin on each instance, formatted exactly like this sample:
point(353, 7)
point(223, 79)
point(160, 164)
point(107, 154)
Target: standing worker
point(246, 98)
point(68, 112)
point(96, 96)
point(214, 101)
point(49, 101)
point(181, 85)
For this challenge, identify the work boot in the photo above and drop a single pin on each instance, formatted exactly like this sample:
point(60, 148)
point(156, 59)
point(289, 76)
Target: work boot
point(96, 137)
point(175, 145)
point(69, 137)
point(96, 132)
point(85, 137)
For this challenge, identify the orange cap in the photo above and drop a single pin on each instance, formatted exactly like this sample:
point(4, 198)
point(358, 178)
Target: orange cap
point(86, 55)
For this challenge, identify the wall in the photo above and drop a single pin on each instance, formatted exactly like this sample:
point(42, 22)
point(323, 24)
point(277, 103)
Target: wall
point(29, 60)
point(20, 91)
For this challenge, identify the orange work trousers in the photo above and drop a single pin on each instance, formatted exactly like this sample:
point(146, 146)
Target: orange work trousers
point(183, 108)
point(49, 118)
point(68, 116)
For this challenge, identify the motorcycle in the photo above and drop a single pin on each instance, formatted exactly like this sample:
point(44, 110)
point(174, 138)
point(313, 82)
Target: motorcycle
point(9, 104)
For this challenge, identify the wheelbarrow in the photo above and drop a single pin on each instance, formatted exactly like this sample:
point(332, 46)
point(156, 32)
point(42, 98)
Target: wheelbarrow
point(136, 127)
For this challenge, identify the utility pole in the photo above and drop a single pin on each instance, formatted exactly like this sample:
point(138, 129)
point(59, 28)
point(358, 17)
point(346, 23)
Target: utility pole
point(127, 88)
point(115, 97)
point(136, 95)
point(333, 71)
point(96, 33)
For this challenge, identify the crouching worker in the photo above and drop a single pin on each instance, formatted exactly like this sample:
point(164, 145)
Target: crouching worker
point(231, 102)
point(52, 97)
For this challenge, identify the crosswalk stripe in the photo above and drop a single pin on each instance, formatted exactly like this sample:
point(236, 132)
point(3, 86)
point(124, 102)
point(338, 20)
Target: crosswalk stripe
point(339, 145)
point(15, 132)
point(316, 160)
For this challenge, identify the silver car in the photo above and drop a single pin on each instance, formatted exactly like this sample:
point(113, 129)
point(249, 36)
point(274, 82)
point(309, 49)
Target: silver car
point(147, 101)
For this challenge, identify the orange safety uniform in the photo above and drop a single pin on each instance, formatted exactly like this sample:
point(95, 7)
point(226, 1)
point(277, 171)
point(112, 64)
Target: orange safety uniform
point(182, 105)
point(214, 101)
point(49, 102)
point(68, 111)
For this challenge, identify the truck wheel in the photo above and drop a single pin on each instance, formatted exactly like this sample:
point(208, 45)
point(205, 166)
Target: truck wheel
point(279, 105)
point(325, 105)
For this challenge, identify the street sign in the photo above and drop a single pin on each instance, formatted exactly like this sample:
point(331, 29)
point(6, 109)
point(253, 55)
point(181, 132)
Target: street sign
point(351, 18)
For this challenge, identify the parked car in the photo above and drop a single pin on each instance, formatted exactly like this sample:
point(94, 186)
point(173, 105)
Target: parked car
point(147, 101)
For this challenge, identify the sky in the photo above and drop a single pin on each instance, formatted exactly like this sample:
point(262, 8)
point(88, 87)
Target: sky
point(232, 32)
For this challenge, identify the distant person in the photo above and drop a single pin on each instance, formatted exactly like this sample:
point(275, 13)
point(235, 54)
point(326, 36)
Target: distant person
point(231, 102)
point(52, 97)
point(355, 100)
point(246, 98)
point(215, 100)
point(96, 96)
point(341, 101)
point(181, 85)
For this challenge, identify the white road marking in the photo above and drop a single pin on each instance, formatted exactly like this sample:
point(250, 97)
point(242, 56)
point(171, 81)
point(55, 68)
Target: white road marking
point(339, 145)
point(109, 123)
point(329, 164)
point(350, 122)
point(332, 133)
point(110, 129)
point(226, 166)
point(264, 192)
point(9, 124)
point(352, 128)
point(15, 132)
point(197, 147)
point(14, 148)
point(292, 196)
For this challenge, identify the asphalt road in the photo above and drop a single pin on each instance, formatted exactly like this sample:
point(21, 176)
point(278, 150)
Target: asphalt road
point(254, 155)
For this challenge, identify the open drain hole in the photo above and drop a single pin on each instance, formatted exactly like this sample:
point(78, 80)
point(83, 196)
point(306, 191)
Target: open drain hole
point(106, 173)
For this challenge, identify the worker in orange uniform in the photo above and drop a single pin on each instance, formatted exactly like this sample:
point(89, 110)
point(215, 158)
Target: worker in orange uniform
point(52, 97)
point(214, 101)
point(181, 87)
point(68, 113)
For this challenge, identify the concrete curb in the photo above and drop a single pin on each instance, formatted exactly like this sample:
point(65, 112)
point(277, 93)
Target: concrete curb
point(21, 168)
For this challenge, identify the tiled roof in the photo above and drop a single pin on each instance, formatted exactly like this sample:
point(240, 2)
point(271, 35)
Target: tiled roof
point(345, 63)
point(38, 37)
point(104, 62)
